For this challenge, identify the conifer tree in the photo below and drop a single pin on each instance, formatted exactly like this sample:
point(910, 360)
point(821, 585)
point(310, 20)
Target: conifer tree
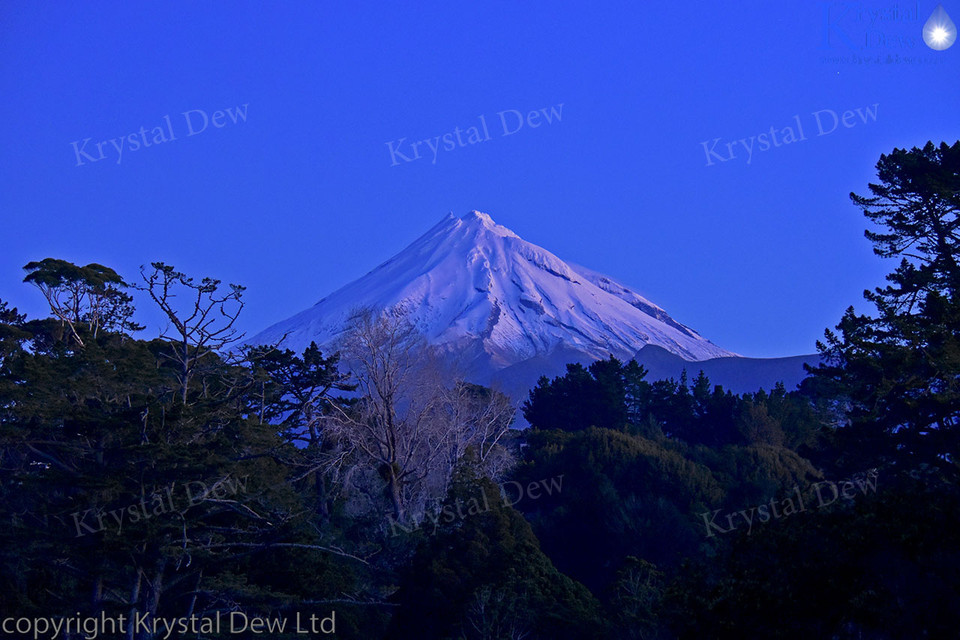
point(898, 370)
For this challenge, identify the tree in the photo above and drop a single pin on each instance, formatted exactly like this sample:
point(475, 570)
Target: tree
point(882, 566)
point(480, 418)
point(594, 396)
point(413, 418)
point(202, 326)
point(296, 394)
point(898, 371)
point(12, 334)
point(393, 425)
point(636, 598)
point(484, 577)
point(91, 295)
point(756, 425)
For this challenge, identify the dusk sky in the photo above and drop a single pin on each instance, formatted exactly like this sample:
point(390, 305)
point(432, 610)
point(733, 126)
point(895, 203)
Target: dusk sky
point(651, 168)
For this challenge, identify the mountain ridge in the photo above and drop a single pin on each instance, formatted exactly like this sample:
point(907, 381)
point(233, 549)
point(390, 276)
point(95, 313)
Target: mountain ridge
point(737, 374)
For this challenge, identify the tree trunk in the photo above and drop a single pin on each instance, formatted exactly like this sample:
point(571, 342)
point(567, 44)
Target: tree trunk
point(393, 488)
point(134, 598)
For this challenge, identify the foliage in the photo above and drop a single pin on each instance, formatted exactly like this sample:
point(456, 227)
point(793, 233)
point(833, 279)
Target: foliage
point(93, 296)
point(883, 567)
point(125, 491)
point(483, 576)
point(899, 370)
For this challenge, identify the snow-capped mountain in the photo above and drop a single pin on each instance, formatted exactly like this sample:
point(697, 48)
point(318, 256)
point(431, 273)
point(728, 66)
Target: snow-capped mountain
point(475, 288)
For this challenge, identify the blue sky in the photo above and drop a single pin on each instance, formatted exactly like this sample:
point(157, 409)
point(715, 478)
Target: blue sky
point(304, 195)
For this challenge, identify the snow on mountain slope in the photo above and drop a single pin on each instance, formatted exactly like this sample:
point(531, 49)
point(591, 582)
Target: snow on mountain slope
point(477, 289)
point(631, 297)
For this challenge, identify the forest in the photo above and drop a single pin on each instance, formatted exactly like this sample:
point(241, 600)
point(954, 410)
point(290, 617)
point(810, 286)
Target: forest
point(188, 477)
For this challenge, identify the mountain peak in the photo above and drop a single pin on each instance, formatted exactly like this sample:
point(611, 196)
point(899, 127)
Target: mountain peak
point(479, 221)
point(477, 290)
point(478, 216)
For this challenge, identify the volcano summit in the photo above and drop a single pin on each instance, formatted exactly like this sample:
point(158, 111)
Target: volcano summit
point(475, 289)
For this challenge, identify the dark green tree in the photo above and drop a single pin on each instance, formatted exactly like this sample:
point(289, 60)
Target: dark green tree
point(594, 396)
point(93, 296)
point(296, 394)
point(883, 566)
point(482, 576)
point(622, 495)
point(898, 371)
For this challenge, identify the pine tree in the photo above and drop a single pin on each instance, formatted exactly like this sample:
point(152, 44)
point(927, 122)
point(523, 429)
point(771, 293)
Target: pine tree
point(899, 369)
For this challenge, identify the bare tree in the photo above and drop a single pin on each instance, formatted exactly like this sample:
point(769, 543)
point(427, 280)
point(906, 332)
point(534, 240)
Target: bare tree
point(200, 327)
point(478, 417)
point(413, 419)
point(393, 425)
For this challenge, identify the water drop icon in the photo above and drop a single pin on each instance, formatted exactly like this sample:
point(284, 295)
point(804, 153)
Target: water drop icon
point(939, 32)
